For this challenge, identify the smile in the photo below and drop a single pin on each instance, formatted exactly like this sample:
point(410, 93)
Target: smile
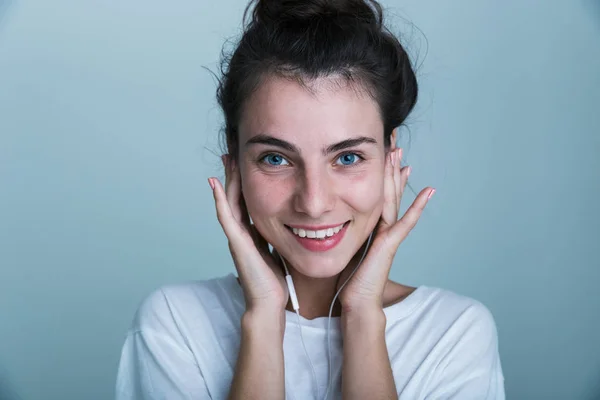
point(319, 234)
point(319, 239)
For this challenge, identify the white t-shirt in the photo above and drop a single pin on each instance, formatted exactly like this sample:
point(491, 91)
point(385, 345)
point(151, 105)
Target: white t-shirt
point(185, 338)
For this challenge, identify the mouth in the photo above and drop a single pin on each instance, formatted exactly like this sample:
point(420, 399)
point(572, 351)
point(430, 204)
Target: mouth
point(320, 239)
point(319, 234)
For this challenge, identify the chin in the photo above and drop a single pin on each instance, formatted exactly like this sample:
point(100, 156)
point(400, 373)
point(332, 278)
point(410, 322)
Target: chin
point(319, 265)
point(318, 269)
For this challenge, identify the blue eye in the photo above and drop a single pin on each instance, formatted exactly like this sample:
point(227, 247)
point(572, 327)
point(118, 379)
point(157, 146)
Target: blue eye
point(349, 158)
point(274, 159)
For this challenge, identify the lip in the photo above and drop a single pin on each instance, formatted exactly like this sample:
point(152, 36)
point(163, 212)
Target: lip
point(321, 245)
point(315, 227)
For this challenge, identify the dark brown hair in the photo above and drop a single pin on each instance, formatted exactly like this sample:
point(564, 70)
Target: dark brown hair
point(309, 39)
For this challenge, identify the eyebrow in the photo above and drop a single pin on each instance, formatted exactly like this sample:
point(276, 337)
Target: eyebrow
point(344, 144)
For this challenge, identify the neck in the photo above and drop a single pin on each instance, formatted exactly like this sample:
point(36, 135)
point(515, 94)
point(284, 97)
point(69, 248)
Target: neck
point(315, 296)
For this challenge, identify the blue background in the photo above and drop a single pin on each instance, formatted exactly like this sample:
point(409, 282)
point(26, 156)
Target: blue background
point(109, 129)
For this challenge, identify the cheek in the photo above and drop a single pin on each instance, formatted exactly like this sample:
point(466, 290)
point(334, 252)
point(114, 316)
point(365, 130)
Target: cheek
point(264, 197)
point(365, 193)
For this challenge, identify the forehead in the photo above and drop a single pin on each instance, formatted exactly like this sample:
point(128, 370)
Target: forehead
point(324, 111)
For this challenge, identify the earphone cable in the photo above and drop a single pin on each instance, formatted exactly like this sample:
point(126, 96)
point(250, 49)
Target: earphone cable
point(331, 311)
point(296, 308)
point(308, 357)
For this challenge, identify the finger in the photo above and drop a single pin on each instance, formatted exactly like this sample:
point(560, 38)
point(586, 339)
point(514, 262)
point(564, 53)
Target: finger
point(398, 180)
point(404, 173)
point(409, 220)
point(389, 214)
point(393, 138)
point(225, 216)
point(230, 190)
point(228, 180)
point(239, 207)
point(233, 190)
point(245, 254)
point(244, 215)
point(259, 241)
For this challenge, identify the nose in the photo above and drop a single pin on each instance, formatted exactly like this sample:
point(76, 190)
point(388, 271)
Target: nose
point(314, 193)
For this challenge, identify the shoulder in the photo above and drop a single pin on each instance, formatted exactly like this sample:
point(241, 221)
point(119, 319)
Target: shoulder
point(171, 304)
point(466, 352)
point(440, 304)
point(464, 329)
point(445, 316)
point(458, 314)
point(460, 310)
point(170, 346)
point(432, 297)
point(452, 340)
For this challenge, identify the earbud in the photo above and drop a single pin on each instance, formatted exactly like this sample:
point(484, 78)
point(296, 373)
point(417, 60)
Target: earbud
point(290, 285)
point(292, 290)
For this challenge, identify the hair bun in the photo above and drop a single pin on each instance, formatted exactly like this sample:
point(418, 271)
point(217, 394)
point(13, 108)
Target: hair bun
point(279, 11)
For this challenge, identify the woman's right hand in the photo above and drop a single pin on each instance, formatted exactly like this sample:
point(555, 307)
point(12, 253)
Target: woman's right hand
point(259, 271)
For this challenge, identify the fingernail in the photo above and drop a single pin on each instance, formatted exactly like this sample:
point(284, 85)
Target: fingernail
point(211, 183)
point(399, 156)
point(408, 171)
point(391, 155)
point(431, 194)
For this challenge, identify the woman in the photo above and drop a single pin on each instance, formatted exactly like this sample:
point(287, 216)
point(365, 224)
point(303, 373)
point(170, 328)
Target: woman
point(312, 97)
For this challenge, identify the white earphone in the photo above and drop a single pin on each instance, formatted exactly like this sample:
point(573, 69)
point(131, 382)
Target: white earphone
point(296, 307)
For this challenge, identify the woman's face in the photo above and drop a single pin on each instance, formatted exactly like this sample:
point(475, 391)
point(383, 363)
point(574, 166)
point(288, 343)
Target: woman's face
point(311, 163)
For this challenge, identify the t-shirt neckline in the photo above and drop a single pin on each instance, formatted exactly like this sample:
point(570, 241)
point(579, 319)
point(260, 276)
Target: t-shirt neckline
point(393, 313)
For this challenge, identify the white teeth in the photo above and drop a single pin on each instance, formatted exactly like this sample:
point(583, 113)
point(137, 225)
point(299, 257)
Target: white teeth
point(320, 234)
point(299, 232)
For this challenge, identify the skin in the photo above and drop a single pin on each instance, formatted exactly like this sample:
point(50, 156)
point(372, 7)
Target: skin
point(301, 183)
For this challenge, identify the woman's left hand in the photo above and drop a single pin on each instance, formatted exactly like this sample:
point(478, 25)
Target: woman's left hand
point(365, 288)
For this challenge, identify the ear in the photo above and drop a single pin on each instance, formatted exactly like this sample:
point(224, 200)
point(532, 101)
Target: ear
point(393, 138)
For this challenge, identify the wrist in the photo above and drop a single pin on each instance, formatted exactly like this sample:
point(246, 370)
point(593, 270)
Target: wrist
point(365, 318)
point(266, 323)
point(364, 306)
